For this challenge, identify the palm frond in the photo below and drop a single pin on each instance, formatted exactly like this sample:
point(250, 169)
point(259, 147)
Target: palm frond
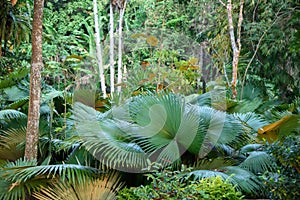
point(104, 188)
point(164, 118)
point(251, 120)
point(51, 95)
point(250, 147)
point(10, 189)
point(200, 100)
point(215, 98)
point(10, 79)
point(213, 164)
point(18, 103)
point(75, 174)
point(245, 180)
point(165, 125)
point(225, 150)
point(246, 105)
point(16, 93)
point(12, 143)
point(9, 114)
point(217, 127)
point(106, 139)
point(23, 177)
point(19, 191)
point(258, 162)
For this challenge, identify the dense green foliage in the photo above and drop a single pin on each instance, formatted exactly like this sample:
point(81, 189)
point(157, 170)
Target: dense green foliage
point(174, 108)
point(284, 182)
point(169, 185)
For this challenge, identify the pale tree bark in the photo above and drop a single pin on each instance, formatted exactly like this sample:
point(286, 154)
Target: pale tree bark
point(235, 43)
point(111, 48)
point(32, 132)
point(120, 47)
point(98, 50)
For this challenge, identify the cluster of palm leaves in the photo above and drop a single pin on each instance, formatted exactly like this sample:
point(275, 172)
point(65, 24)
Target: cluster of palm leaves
point(48, 178)
point(163, 128)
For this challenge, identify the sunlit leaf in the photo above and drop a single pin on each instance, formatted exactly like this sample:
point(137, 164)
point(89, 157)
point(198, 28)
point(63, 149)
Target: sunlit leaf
point(152, 40)
point(137, 35)
point(280, 128)
point(193, 61)
point(193, 67)
point(74, 58)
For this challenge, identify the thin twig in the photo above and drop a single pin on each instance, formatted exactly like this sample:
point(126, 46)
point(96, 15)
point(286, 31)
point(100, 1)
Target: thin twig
point(221, 2)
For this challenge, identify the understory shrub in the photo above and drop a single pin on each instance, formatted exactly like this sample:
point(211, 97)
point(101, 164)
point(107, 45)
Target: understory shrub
point(172, 186)
point(285, 182)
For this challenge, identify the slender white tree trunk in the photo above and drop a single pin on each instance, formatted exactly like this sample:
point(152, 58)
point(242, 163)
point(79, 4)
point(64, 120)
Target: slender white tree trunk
point(32, 132)
point(120, 47)
point(111, 48)
point(235, 44)
point(98, 50)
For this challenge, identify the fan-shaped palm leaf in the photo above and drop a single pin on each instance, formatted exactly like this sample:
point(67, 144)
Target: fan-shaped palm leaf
point(258, 162)
point(106, 139)
point(215, 98)
point(165, 120)
point(18, 103)
point(23, 177)
point(75, 174)
point(251, 120)
point(12, 143)
point(9, 114)
point(161, 125)
point(14, 190)
point(104, 188)
point(213, 164)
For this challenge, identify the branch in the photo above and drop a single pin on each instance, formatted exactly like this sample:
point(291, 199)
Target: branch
point(231, 29)
point(221, 2)
point(240, 25)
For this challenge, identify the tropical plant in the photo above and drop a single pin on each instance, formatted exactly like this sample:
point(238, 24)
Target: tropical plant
point(170, 185)
point(102, 188)
point(284, 181)
point(23, 177)
point(156, 126)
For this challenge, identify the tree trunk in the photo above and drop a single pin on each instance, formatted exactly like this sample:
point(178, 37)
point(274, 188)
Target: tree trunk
point(111, 48)
point(98, 50)
point(32, 132)
point(120, 49)
point(235, 44)
point(0, 47)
